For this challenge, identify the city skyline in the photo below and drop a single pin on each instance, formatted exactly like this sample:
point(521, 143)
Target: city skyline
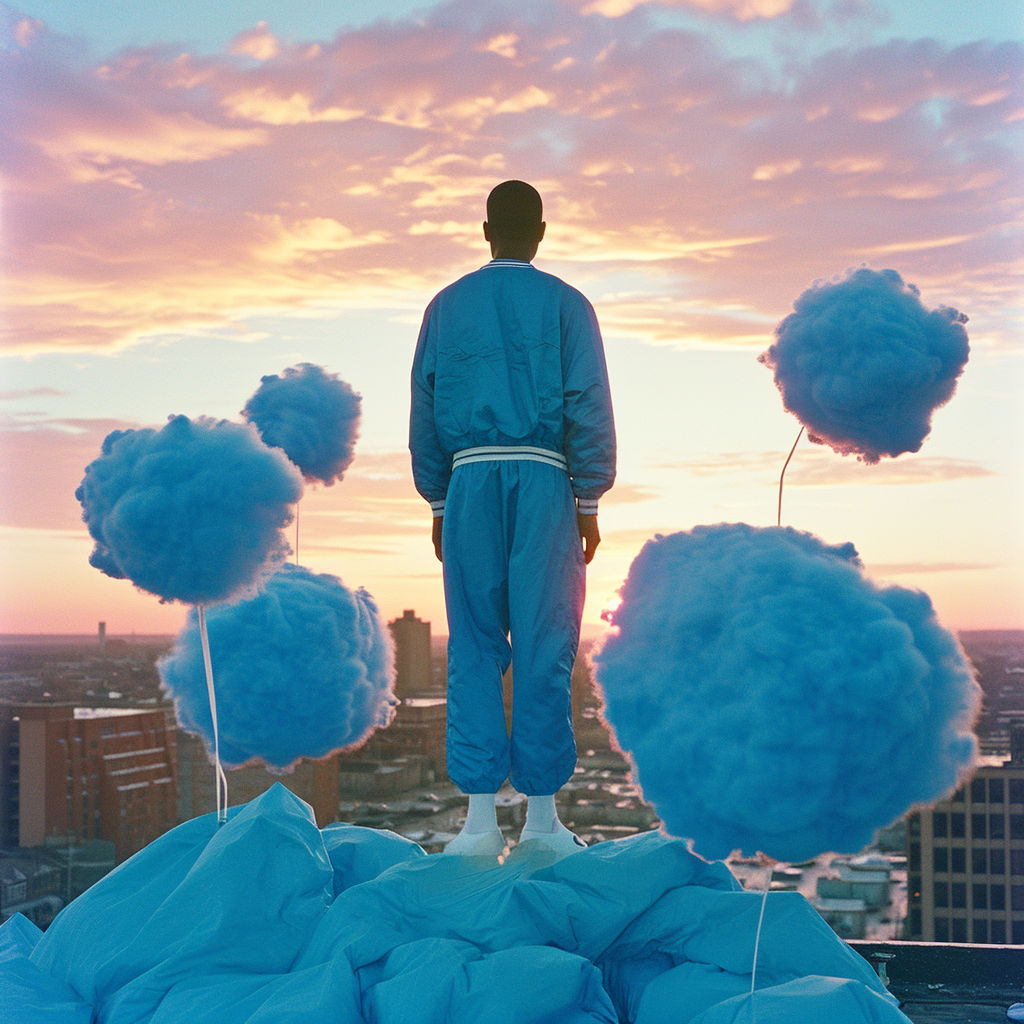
point(226, 200)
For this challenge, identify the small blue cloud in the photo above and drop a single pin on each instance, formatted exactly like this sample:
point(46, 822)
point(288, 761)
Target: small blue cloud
point(863, 365)
point(191, 512)
point(301, 670)
point(312, 415)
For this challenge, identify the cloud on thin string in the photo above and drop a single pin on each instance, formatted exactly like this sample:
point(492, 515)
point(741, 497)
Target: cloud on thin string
point(358, 168)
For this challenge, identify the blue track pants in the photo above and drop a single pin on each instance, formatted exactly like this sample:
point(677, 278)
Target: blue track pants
point(513, 567)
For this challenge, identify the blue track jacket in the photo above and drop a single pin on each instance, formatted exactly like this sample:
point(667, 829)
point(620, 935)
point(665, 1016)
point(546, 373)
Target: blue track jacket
point(509, 355)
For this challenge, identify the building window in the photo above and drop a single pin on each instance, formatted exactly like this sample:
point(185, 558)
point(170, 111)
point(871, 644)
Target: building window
point(958, 898)
point(915, 920)
point(1017, 791)
point(915, 857)
point(997, 862)
point(977, 791)
point(998, 894)
point(958, 860)
point(977, 826)
point(979, 930)
point(959, 929)
point(942, 929)
point(995, 791)
point(940, 824)
point(1017, 897)
point(914, 888)
point(957, 825)
point(979, 860)
point(979, 896)
point(1017, 937)
point(958, 796)
point(1017, 863)
point(941, 897)
point(999, 931)
point(941, 858)
point(997, 826)
point(1017, 826)
point(914, 825)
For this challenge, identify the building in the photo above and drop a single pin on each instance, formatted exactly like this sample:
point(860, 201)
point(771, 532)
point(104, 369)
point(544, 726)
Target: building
point(76, 774)
point(413, 662)
point(418, 729)
point(965, 859)
point(315, 781)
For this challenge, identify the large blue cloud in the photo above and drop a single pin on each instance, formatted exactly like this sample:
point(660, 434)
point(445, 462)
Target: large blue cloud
point(303, 669)
point(191, 512)
point(775, 699)
point(863, 365)
point(312, 415)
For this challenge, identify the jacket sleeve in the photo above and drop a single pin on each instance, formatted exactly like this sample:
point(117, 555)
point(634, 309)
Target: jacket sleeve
point(431, 465)
point(588, 424)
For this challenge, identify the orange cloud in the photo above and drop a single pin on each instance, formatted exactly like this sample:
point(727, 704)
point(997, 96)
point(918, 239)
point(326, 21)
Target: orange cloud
point(164, 192)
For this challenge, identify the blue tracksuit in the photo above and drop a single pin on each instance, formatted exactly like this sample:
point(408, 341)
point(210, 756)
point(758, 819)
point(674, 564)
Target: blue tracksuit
point(511, 421)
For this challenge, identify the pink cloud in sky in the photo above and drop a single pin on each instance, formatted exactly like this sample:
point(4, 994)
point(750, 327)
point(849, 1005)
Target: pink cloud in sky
point(161, 191)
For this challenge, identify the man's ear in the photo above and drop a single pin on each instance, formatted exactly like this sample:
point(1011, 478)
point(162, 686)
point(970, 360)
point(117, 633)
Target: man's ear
point(487, 232)
point(543, 228)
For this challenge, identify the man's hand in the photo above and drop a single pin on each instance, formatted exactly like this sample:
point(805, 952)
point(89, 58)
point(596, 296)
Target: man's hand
point(589, 534)
point(435, 536)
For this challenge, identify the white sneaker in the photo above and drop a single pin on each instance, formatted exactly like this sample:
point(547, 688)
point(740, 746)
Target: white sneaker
point(477, 844)
point(560, 840)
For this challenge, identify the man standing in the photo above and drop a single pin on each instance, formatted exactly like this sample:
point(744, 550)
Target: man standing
point(512, 443)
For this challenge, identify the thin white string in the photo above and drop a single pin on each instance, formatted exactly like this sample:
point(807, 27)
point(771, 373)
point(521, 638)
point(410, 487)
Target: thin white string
point(782, 475)
point(757, 940)
point(221, 780)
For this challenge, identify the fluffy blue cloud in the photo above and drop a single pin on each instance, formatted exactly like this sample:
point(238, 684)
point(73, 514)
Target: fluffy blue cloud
point(301, 670)
point(775, 699)
point(863, 365)
point(191, 512)
point(312, 415)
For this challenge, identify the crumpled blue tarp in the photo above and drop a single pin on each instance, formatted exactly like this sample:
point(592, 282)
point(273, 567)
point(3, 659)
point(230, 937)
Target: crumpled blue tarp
point(269, 919)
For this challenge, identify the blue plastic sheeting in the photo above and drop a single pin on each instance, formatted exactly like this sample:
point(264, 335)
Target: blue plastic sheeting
point(268, 919)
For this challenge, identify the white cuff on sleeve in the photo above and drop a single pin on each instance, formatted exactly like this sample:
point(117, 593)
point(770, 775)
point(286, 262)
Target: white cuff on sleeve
point(586, 506)
point(437, 507)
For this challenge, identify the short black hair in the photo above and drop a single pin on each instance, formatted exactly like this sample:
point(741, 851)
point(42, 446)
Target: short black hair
point(514, 210)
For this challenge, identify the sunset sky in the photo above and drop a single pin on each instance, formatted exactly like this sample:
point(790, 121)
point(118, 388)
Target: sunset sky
point(193, 201)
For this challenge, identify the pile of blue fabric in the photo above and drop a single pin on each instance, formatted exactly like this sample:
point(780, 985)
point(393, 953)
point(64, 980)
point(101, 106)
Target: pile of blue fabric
point(270, 920)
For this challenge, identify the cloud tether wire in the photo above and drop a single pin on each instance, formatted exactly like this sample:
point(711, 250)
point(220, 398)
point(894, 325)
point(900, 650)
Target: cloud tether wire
point(191, 512)
point(773, 698)
point(303, 669)
point(863, 364)
point(312, 415)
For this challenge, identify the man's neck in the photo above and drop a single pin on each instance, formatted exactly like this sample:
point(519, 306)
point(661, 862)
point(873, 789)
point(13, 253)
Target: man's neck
point(523, 253)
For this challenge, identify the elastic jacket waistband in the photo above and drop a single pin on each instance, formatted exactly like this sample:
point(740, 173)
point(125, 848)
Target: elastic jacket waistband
point(509, 453)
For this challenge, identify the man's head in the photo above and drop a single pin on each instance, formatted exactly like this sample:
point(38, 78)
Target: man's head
point(514, 224)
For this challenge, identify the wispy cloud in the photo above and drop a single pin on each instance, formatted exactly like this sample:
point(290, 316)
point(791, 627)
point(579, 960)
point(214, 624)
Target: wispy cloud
point(816, 468)
point(165, 192)
point(886, 569)
point(629, 494)
point(16, 396)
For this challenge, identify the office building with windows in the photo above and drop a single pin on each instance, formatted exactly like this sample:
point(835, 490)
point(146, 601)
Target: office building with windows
point(965, 859)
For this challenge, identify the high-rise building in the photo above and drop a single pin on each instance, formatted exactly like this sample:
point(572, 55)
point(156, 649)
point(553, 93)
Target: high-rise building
point(413, 664)
point(86, 773)
point(965, 859)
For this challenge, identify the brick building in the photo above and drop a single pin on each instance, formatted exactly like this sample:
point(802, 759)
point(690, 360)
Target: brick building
point(86, 773)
